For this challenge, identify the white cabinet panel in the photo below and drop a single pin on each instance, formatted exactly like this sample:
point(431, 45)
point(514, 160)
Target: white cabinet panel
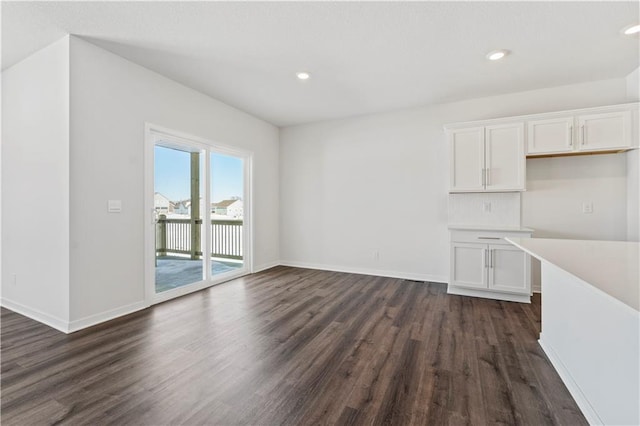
point(509, 269)
point(466, 154)
point(469, 263)
point(488, 158)
point(505, 157)
point(604, 131)
point(489, 267)
point(574, 132)
point(554, 135)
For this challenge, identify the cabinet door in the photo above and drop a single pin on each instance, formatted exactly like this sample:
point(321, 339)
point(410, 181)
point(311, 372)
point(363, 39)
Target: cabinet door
point(466, 158)
point(505, 158)
point(509, 269)
point(550, 136)
point(604, 131)
point(469, 265)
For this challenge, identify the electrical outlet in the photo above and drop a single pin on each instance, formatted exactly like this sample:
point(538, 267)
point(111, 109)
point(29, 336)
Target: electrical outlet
point(486, 206)
point(14, 279)
point(114, 206)
point(587, 207)
point(376, 255)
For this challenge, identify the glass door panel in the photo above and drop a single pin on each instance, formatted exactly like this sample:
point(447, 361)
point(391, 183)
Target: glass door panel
point(179, 212)
point(227, 213)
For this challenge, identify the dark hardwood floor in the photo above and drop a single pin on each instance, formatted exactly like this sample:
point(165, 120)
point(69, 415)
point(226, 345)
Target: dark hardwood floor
point(291, 346)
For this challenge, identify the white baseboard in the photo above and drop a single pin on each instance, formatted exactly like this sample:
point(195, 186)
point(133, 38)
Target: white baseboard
point(36, 315)
point(266, 266)
point(575, 391)
point(366, 271)
point(461, 291)
point(101, 317)
point(70, 326)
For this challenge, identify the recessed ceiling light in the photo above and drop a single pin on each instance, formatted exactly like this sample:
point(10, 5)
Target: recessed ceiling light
point(303, 75)
point(631, 29)
point(494, 55)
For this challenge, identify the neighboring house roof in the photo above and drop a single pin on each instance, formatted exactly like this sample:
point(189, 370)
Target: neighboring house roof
point(223, 203)
point(159, 198)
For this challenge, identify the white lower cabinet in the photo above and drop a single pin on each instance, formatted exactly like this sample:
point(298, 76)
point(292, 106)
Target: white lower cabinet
point(469, 265)
point(483, 264)
point(509, 269)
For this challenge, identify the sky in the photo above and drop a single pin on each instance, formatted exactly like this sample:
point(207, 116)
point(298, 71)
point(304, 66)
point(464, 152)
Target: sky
point(172, 175)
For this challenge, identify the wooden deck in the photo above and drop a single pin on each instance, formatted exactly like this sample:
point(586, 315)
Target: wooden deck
point(291, 346)
point(173, 272)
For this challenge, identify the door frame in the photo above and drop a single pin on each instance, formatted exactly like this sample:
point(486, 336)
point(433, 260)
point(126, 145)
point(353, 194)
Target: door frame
point(153, 133)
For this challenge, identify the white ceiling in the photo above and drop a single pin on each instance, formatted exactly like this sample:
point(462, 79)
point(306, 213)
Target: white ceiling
point(364, 57)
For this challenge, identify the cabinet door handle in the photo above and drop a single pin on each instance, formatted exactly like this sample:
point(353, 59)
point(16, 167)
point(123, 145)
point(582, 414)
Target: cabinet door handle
point(483, 175)
point(570, 135)
point(488, 177)
point(582, 130)
point(486, 260)
point(490, 258)
point(488, 238)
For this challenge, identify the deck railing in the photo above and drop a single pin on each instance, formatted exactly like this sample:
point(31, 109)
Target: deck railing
point(174, 236)
point(226, 239)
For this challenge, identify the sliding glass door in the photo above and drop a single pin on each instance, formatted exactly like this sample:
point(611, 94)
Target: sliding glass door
point(227, 213)
point(178, 206)
point(197, 195)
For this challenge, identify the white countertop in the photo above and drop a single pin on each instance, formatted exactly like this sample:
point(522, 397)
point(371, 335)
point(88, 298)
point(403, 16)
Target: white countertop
point(490, 228)
point(611, 266)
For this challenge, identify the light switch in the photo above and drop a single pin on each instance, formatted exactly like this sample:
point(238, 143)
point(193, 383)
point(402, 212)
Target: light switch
point(114, 206)
point(587, 207)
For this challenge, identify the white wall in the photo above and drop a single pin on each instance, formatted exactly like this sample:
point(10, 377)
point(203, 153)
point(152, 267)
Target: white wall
point(364, 167)
point(111, 99)
point(353, 187)
point(504, 209)
point(633, 85)
point(74, 118)
point(557, 188)
point(35, 185)
point(633, 167)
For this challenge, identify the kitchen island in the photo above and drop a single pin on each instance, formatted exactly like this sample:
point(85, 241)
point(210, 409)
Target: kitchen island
point(591, 322)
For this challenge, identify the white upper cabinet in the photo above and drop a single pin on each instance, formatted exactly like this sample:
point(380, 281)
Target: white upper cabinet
point(591, 130)
point(604, 131)
point(550, 136)
point(487, 159)
point(504, 157)
point(466, 154)
point(490, 155)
